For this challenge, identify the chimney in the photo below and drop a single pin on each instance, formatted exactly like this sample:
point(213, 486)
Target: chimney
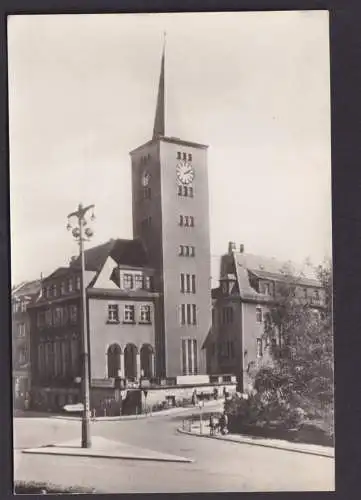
point(231, 247)
point(241, 248)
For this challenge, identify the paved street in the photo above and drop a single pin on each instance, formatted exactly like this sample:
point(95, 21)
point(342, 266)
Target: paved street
point(218, 465)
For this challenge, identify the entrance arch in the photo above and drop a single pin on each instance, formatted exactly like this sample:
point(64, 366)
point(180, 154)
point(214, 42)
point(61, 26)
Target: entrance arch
point(146, 360)
point(130, 361)
point(113, 355)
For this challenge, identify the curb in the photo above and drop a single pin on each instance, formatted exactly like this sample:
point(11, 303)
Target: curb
point(111, 457)
point(248, 440)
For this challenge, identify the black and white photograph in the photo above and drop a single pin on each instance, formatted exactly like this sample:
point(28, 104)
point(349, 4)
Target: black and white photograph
point(171, 252)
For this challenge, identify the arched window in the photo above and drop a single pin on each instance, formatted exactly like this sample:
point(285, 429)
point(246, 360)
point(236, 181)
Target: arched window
point(130, 362)
point(113, 355)
point(146, 361)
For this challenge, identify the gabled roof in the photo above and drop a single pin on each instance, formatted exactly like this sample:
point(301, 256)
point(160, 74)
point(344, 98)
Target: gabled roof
point(126, 252)
point(27, 288)
point(244, 265)
point(61, 271)
point(283, 277)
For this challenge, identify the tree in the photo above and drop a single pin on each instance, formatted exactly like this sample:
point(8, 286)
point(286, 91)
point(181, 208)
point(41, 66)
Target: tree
point(301, 374)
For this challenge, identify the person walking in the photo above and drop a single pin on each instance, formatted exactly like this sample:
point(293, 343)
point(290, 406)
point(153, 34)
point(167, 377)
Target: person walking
point(212, 425)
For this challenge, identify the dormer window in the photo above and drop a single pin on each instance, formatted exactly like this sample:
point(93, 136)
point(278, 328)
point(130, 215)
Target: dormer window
point(148, 282)
point(128, 281)
point(267, 289)
point(138, 281)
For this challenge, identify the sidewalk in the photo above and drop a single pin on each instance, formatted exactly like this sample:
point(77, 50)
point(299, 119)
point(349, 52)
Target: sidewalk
point(214, 404)
point(311, 449)
point(105, 448)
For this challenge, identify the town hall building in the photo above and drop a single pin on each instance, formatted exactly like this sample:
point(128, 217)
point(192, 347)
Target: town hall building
point(148, 299)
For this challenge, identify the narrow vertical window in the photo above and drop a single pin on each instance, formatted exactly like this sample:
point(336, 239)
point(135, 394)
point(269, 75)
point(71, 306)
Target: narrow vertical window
point(193, 283)
point(183, 314)
point(190, 357)
point(194, 314)
point(182, 282)
point(188, 285)
point(195, 357)
point(259, 314)
point(184, 357)
point(259, 348)
point(189, 321)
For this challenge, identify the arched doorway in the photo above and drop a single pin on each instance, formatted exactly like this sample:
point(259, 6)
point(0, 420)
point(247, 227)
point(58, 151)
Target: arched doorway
point(146, 360)
point(130, 361)
point(113, 355)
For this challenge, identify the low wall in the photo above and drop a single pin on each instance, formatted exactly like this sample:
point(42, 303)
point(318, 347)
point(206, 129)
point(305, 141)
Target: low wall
point(177, 394)
point(112, 401)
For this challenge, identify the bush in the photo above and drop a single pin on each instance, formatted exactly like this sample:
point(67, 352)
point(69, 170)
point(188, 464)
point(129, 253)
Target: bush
point(35, 488)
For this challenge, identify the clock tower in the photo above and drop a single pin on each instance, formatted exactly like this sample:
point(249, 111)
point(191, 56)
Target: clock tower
point(171, 217)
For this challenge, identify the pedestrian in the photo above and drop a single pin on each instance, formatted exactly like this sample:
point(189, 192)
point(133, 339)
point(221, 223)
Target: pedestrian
point(224, 428)
point(212, 424)
point(194, 398)
point(215, 393)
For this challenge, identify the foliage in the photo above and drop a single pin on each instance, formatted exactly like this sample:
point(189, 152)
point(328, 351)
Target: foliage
point(297, 386)
point(302, 373)
point(33, 487)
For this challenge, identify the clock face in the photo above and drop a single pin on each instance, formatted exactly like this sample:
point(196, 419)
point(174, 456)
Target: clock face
point(185, 172)
point(145, 179)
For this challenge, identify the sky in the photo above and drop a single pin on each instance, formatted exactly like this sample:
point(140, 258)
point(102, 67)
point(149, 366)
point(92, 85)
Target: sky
point(255, 87)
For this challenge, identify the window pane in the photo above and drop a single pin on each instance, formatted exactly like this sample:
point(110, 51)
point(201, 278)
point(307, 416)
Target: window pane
point(195, 357)
point(189, 342)
point(184, 357)
point(259, 347)
point(183, 315)
point(189, 321)
point(194, 314)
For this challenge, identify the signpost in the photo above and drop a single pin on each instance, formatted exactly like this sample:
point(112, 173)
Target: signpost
point(201, 405)
point(145, 392)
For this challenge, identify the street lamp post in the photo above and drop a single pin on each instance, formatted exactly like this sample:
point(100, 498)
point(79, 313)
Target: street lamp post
point(82, 234)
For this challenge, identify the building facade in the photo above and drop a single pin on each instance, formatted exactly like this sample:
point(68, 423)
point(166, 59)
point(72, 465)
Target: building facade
point(22, 297)
point(121, 306)
point(148, 299)
point(249, 286)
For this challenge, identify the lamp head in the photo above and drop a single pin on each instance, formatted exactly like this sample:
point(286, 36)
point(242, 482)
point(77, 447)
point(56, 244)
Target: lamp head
point(76, 232)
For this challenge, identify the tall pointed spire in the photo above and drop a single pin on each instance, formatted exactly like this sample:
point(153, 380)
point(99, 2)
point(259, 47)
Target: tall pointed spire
point(159, 121)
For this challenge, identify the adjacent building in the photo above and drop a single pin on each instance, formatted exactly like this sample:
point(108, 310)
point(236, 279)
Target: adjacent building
point(22, 296)
point(249, 285)
point(122, 314)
